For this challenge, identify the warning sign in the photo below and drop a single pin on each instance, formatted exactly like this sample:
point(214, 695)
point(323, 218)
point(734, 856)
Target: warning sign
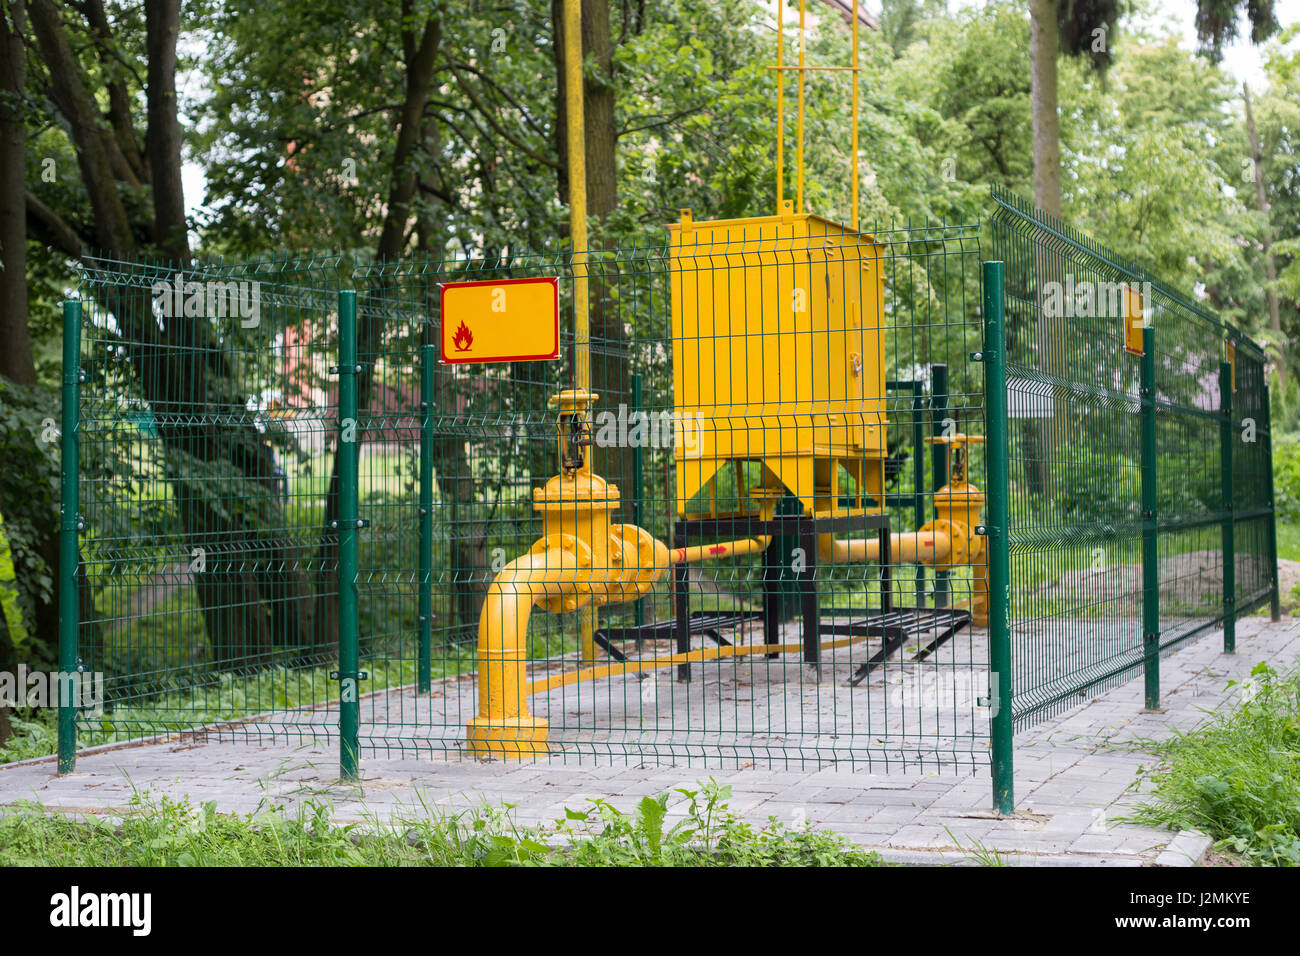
point(502, 320)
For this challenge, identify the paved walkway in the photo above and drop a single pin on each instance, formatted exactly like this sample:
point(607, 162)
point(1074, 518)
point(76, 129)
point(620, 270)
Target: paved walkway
point(1073, 778)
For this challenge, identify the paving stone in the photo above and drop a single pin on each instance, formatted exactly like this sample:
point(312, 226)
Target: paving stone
point(1073, 780)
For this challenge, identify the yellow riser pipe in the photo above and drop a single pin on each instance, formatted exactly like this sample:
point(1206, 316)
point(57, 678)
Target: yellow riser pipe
point(504, 724)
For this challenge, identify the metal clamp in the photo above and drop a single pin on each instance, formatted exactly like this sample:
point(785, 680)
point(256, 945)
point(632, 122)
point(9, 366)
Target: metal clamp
point(358, 524)
point(361, 675)
point(352, 370)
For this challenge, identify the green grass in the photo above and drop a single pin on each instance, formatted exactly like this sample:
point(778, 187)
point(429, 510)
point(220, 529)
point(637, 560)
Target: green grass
point(1288, 540)
point(1237, 776)
point(176, 833)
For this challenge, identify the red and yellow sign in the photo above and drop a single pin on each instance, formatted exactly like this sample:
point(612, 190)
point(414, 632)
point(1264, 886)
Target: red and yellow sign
point(1133, 323)
point(501, 320)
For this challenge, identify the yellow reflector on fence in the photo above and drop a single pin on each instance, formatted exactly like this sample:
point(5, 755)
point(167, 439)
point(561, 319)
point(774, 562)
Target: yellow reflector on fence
point(1133, 324)
point(502, 320)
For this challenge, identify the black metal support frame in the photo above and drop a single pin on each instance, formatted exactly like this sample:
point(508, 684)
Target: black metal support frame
point(806, 529)
point(893, 625)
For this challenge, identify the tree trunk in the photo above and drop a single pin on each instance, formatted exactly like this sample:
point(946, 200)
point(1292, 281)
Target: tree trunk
point(1044, 46)
point(1270, 267)
point(420, 56)
point(182, 372)
point(163, 142)
point(16, 362)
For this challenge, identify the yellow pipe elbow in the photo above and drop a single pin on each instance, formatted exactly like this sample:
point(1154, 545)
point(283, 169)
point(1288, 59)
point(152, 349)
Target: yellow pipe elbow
point(556, 565)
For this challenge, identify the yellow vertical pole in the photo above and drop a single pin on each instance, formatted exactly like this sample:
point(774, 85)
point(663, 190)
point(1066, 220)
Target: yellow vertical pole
point(798, 205)
point(577, 149)
point(854, 74)
point(780, 104)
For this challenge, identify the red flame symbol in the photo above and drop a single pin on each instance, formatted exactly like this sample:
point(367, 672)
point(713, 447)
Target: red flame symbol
point(464, 338)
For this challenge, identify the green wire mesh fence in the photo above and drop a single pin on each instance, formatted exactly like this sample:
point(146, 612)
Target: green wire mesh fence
point(1124, 521)
point(295, 518)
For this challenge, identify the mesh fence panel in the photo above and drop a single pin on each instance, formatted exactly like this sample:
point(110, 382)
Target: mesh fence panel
point(768, 394)
point(1076, 396)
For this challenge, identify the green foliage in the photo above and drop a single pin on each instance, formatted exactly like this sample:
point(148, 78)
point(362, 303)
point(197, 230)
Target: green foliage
point(1237, 777)
point(29, 482)
point(34, 735)
point(1092, 483)
point(1286, 477)
point(167, 832)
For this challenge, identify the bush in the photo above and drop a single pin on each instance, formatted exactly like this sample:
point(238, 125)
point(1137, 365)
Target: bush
point(1286, 476)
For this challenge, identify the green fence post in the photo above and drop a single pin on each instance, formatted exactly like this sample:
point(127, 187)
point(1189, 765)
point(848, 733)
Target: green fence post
point(638, 485)
point(346, 447)
point(69, 527)
point(999, 557)
point(428, 358)
point(1275, 601)
point(918, 477)
point(1226, 434)
point(1150, 542)
point(939, 459)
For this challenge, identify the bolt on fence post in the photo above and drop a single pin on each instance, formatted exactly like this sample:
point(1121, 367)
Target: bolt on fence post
point(1150, 542)
point(69, 520)
point(1275, 600)
point(424, 681)
point(1226, 433)
point(999, 557)
point(939, 459)
point(349, 704)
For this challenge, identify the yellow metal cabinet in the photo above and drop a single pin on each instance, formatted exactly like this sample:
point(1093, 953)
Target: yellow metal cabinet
point(778, 340)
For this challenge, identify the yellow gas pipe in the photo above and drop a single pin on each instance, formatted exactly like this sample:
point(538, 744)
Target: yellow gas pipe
point(945, 543)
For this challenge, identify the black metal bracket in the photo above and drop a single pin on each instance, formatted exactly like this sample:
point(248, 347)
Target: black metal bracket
point(356, 525)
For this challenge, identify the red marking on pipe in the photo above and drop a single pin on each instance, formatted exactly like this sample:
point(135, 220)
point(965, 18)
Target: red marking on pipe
point(928, 544)
point(718, 549)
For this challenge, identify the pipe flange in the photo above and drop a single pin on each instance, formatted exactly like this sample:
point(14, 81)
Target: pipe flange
point(959, 539)
point(563, 542)
point(651, 559)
